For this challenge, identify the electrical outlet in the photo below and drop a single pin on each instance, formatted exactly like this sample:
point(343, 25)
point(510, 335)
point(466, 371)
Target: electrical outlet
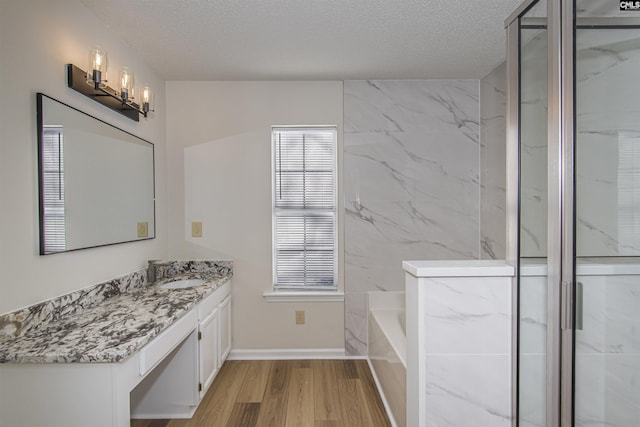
point(196, 229)
point(143, 229)
point(299, 317)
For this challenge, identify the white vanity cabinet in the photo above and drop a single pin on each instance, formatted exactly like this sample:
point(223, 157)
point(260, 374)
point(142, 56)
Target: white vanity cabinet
point(224, 329)
point(166, 378)
point(214, 335)
point(161, 395)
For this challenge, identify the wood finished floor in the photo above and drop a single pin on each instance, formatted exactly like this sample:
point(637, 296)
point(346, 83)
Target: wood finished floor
point(282, 393)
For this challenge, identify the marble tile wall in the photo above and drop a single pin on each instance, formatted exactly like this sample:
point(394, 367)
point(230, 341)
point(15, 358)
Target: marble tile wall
point(465, 349)
point(493, 164)
point(607, 141)
point(533, 143)
point(411, 184)
point(607, 348)
point(608, 352)
point(533, 335)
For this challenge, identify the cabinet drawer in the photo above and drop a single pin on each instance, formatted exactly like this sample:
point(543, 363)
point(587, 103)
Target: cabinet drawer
point(163, 344)
point(211, 302)
point(207, 305)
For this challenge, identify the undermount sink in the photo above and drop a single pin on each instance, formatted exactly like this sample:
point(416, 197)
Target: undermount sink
point(182, 284)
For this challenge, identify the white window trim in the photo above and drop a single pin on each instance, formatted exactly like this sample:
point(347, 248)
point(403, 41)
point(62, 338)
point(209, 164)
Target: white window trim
point(304, 296)
point(328, 294)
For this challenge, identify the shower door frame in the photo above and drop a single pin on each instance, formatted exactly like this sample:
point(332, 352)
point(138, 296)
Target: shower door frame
point(560, 203)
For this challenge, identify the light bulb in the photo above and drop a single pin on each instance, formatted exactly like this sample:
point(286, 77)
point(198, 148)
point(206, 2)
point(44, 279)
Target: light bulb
point(98, 59)
point(126, 84)
point(147, 100)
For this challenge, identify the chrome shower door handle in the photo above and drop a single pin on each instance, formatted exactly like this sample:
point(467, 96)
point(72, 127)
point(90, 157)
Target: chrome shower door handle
point(579, 306)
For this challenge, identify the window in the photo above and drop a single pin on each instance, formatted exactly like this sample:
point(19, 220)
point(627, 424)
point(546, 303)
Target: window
point(53, 189)
point(304, 208)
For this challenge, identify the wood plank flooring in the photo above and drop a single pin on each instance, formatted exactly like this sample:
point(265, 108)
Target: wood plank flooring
point(283, 393)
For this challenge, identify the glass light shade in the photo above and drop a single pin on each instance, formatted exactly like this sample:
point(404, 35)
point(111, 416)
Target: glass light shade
point(147, 99)
point(98, 60)
point(126, 84)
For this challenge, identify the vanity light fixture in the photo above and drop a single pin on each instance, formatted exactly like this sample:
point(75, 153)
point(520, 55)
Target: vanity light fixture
point(93, 85)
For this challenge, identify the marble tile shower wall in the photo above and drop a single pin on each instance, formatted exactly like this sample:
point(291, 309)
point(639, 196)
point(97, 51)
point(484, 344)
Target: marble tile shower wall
point(411, 182)
point(607, 137)
point(607, 349)
point(533, 143)
point(607, 142)
point(493, 164)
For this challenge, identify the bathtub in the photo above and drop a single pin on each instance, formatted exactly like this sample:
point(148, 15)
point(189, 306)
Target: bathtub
point(388, 351)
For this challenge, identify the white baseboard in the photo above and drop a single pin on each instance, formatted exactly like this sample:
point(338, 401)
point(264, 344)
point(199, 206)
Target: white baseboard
point(290, 354)
point(382, 396)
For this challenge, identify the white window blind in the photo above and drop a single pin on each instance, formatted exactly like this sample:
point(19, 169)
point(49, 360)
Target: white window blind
point(304, 207)
point(53, 189)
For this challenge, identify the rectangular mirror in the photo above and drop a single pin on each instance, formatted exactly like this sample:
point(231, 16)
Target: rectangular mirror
point(96, 181)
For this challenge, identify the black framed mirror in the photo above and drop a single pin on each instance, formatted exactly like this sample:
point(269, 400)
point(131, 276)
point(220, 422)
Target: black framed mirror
point(96, 181)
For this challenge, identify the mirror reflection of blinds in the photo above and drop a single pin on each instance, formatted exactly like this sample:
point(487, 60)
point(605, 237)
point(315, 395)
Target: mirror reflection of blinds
point(628, 193)
point(53, 191)
point(304, 207)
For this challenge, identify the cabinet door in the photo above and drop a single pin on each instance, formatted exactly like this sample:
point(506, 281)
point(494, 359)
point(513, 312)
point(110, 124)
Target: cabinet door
point(208, 343)
point(224, 330)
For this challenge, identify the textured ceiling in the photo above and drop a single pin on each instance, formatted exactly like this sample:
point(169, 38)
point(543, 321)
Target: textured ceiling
point(311, 39)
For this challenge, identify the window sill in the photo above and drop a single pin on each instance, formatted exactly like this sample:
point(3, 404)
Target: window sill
point(308, 296)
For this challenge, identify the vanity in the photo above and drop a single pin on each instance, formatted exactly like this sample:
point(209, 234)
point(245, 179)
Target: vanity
point(119, 350)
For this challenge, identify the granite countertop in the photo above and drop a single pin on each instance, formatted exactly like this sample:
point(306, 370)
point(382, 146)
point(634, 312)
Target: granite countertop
point(113, 330)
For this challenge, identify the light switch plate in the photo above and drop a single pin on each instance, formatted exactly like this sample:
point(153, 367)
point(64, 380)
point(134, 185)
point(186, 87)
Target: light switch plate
point(196, 229)
point(299, 317)
point(143, 229)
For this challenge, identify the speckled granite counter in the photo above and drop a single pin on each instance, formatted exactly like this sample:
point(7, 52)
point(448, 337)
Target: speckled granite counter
point(116, 326)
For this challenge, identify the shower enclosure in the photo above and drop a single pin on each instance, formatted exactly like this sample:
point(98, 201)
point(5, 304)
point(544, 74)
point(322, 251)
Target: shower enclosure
point(574, 132)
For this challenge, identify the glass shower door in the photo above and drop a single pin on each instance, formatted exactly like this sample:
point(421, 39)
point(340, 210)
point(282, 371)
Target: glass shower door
point(607, 216)
point(532, 280)
point(578, 133)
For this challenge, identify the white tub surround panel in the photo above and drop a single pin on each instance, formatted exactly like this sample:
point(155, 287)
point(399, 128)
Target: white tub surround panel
point(458, 342)
point(388, 351)
point(411, 184)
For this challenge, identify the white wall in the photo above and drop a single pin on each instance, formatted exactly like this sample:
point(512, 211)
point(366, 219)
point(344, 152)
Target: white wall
point(38, 38)
point(219, 173)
